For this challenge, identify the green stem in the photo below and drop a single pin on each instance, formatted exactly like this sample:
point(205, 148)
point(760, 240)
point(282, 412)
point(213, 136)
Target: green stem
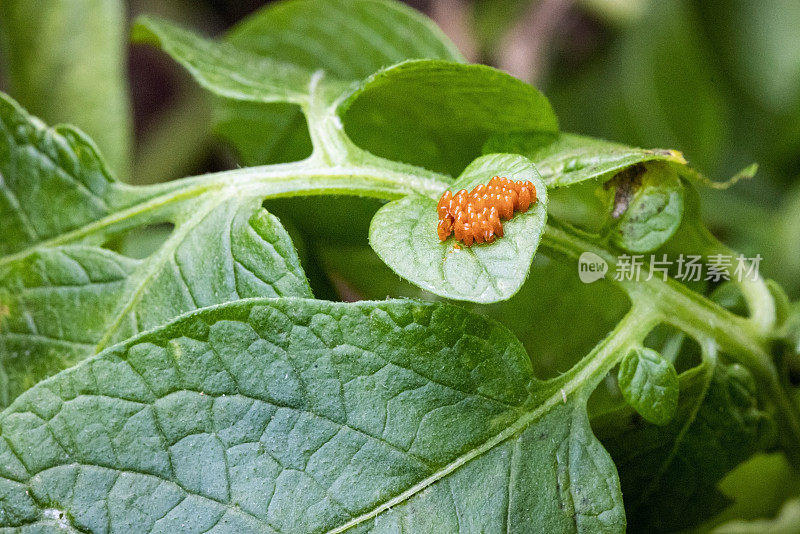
point(629, 332)
point(167, 202)
point(740, 338)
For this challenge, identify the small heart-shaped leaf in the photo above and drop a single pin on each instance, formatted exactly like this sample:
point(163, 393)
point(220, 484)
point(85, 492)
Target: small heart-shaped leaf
point(649, 384)
point(403, 233)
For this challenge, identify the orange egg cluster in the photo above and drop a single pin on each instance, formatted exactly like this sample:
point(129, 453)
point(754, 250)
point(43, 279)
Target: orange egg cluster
point(475, 217)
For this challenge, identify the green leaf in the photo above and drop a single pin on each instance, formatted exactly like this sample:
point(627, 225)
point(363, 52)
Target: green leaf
point(65, 61)
point(442, 130)
point(348, 39)
point(404, 235)
point(438, 114)
point(224, 247)
point(228, 251)
point(551, 297)
point(72, 188)
point(566, 159)
point(292, 415)
point(649, 204)
point(41, 332)
point(717, 425)
point(559, 479)
point(649, 384)
point(225, 69)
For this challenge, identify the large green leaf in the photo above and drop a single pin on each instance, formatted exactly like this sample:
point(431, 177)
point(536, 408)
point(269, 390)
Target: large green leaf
point(551, 297)
point(348, 39)
point(438, 114)
point(717, 425)
point(292, 415)
point(41, 332)
point(229, 251)
point(225, 69)
point(65, 62)
point(404, 235)
point(52, 180)
point(224, 247)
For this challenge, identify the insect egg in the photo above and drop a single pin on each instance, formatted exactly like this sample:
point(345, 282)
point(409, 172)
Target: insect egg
point(476, 216)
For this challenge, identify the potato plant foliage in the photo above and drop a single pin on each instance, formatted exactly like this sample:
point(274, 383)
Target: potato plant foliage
point(203, 388)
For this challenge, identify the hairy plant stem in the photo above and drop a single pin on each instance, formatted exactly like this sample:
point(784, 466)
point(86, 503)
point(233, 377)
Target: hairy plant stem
point(629, 332)
point(172, 201)
point(701, 318)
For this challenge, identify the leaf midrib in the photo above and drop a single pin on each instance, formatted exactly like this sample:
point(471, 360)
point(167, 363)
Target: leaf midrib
point(576, 384)
point(153, 266)
point(584, 375)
